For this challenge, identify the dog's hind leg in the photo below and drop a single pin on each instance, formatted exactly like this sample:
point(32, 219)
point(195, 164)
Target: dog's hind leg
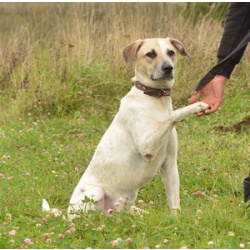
point(84, 200)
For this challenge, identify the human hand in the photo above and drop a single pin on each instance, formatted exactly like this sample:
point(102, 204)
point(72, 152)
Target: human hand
point(212, 94)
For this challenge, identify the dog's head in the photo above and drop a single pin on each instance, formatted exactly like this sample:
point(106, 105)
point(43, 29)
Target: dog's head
point(154, 60)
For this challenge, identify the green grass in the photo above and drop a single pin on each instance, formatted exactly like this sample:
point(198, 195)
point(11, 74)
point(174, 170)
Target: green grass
point(60, 87)
point(48, 156)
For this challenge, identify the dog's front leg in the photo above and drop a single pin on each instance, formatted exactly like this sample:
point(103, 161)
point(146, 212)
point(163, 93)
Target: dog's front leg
point(182, 113)
point(149, 134)
point(172, 184)
point(170, 174)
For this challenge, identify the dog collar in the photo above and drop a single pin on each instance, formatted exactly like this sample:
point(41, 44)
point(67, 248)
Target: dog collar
point(152, 91)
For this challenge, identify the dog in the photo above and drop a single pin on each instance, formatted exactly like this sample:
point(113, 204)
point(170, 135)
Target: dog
point(142, 138)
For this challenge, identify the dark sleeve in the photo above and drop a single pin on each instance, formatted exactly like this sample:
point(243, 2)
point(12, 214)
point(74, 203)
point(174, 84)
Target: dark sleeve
point(236, 26)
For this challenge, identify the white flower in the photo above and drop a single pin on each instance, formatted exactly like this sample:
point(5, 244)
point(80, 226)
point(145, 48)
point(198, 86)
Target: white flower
point(12, 233)
point(210, 243)
point(28, 241)
point(129, 240)
point(242, 245)
point(114, 243)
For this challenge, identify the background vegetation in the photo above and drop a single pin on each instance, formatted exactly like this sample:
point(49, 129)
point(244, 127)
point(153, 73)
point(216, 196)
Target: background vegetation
point(61, 79)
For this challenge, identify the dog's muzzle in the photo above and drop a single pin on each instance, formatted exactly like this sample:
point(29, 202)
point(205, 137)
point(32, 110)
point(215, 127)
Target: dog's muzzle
point(166, 72)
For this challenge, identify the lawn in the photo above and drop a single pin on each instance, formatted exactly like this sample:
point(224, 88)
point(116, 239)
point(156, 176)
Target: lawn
point(44, 158)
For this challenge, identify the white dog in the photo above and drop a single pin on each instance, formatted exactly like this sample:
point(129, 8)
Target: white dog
point(142, 138)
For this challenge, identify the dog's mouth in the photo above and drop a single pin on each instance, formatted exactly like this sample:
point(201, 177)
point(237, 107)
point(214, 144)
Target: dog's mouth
point(167, 77)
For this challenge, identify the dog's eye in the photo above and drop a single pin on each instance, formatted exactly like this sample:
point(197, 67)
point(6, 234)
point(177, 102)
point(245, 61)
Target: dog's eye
point(152, 54)
point(171, 53)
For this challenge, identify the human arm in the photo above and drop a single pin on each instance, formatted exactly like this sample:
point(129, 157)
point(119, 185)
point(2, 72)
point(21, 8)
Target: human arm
point(237, 25)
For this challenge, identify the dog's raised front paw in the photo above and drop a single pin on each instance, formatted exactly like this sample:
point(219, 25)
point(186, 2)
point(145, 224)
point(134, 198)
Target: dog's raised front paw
point(200, 107)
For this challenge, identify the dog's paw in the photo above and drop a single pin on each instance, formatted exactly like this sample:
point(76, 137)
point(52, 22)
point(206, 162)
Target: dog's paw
point(200, 107)
point(175, 210)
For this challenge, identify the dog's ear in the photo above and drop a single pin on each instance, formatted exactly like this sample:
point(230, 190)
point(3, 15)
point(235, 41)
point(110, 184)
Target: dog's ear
point(179, 47)
point(129, 52)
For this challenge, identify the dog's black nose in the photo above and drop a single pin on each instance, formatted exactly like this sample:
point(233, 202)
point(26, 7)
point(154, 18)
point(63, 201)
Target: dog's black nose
point(167, 68)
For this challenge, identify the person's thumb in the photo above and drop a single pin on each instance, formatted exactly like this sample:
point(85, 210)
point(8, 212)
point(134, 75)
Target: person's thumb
point(195, 97)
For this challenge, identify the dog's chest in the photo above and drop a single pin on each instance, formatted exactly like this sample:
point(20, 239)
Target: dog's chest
point(157, 108)
point(118, 161)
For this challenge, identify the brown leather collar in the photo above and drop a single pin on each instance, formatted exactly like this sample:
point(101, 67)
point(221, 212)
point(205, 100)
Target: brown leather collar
point(152, 91)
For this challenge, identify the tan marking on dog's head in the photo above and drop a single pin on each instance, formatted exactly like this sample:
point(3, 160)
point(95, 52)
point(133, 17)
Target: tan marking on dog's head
point(155, 60)
point(129, 52)
point(179, 47)
point(153, 56)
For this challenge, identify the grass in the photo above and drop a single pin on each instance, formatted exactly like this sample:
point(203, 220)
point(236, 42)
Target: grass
point(58, 100)
point(47, 158)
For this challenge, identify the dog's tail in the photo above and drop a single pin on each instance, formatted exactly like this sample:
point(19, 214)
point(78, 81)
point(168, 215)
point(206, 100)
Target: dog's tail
point(46, 208)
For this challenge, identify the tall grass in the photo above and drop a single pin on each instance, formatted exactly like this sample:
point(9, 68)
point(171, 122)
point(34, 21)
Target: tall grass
point(49, 51)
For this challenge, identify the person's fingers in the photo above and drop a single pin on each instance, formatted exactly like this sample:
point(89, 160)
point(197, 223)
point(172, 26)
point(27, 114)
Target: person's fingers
point(212, 109)
point(195, 97)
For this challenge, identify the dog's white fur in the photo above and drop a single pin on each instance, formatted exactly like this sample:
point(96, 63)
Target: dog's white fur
point(142, 138)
